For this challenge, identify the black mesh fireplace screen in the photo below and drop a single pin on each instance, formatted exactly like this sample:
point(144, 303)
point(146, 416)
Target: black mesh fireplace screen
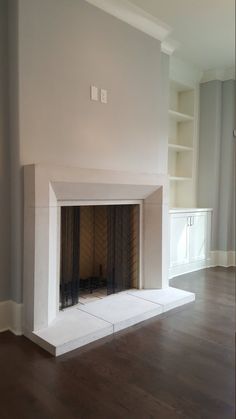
point(70, 242)
point(99, 249)
point(119, 249)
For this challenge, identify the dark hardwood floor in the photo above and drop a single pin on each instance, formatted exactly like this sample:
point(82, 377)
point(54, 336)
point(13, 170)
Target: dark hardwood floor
point(178, 366)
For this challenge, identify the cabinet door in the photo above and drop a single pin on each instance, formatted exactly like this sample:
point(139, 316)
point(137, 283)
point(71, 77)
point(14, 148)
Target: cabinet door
point(198, 237)
point(179, 232)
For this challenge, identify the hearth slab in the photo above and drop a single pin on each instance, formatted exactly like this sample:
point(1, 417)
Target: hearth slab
point(169, 298)
point(72, 329)
point(83, 324)
point(122, 310)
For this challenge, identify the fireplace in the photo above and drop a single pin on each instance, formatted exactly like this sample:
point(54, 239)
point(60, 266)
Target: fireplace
point(48, 189)
point(131, 208)
point(99, 251)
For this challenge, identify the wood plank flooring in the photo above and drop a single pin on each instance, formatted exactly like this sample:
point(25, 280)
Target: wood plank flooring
point(178, 366)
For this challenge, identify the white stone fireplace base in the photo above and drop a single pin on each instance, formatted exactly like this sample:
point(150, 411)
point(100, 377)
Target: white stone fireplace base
point(46, 188)
point(83, 324)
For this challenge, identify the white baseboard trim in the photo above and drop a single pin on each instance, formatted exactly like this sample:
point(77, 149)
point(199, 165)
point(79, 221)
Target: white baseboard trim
point(222, 258)
point(217, 258)
point(187, 268)
point(11, 317)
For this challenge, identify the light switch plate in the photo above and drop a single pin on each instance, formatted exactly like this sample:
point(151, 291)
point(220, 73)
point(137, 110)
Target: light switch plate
point(94, 93)
point(103, 96)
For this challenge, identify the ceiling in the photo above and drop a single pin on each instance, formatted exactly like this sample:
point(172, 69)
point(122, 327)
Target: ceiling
point(204, 29)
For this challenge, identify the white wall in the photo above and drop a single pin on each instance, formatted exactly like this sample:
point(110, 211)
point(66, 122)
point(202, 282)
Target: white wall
point(61, 48)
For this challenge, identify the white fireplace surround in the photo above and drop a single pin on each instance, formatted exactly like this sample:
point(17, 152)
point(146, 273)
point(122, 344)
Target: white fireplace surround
point(46, 188)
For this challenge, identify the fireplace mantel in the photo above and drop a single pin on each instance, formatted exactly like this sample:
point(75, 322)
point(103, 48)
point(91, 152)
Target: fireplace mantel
point(45, 188)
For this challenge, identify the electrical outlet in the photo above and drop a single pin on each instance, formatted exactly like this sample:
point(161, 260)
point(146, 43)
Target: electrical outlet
point(103, 96)
point(94, 93)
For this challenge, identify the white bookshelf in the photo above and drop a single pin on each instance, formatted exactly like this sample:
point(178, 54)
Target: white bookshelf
point(182, 145)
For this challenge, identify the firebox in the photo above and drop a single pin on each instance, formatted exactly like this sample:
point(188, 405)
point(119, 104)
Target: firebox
point(99, 251)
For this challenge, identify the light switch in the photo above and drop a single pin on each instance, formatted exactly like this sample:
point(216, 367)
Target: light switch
point(103, 96)
point(94, 93)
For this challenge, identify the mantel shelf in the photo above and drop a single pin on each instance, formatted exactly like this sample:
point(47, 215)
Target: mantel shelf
point(180, 117)
point(178, 147)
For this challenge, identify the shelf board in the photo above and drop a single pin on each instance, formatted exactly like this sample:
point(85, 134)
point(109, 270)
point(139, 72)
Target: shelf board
point(180, 117)
point(178, 147)
point(179, 178)
point(179, 87)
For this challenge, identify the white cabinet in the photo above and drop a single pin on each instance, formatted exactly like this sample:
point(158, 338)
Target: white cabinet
point(190, 235)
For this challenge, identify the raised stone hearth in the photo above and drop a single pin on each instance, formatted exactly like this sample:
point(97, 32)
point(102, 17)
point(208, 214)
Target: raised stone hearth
point(83, 324)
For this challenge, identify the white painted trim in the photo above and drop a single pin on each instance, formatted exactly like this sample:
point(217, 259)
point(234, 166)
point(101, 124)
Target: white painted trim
point(188, 210)
point(222, 258)
point(85, 203)
point(221, 74)
point(188, 267)
point(134, 16)
point(217, 258)
point(4, 316)
point(168, 47)
point(11, 317)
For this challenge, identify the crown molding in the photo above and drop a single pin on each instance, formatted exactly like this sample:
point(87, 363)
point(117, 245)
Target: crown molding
point(169, 46)
point(221, 74)
point(136, 17)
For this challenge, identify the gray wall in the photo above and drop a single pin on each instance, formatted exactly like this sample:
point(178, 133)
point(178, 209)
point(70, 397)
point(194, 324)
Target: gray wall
point(16, 170)
point(58, 49)
point(226, 237)
point(4, 160)
point(65, 46)
point(216, 185)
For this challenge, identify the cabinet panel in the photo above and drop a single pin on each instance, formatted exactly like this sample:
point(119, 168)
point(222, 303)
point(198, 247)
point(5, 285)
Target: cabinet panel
point(198, 238)
point(178, 240)
point(190, 235)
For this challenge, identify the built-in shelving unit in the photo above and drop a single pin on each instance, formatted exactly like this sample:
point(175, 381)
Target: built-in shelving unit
point(189, 226)
point(182, 145)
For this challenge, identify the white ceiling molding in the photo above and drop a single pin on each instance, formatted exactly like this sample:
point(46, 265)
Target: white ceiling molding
point(221, 74)
point(169, 46)
point(134, 16)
